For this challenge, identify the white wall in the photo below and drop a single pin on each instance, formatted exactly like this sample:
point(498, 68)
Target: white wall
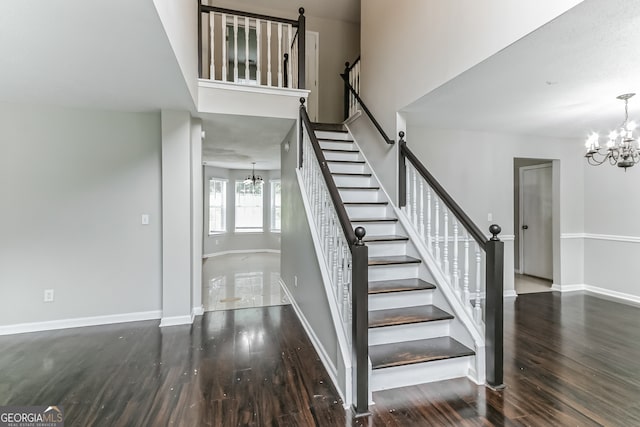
point(612, 209)
point(180, 21)
point(73, 187)
point(413, 46)
point(476, 168)
point(231, 241)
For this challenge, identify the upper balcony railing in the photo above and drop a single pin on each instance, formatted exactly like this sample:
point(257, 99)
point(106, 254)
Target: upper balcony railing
point(251, 49)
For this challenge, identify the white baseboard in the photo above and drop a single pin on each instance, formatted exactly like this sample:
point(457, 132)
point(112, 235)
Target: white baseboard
point(324, 357)
point(197, 311)
point(241, 251)
point(176, 320)
point(79, 322)
point(600, 292)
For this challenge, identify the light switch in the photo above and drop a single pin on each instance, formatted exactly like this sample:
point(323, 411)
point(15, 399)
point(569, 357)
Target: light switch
point(145, 219)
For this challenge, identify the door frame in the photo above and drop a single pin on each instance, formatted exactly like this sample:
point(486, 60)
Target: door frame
point(521, 169)
point(313, 109)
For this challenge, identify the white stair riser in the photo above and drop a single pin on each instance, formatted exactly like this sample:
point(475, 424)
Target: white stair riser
point(400, 299)
point(377, 228)
point(332, 135)
point(368, 211)
point(412, 332)
point(387, 248)
point(360, 195)
point(403, 376)
point(334, 155)
point(338, 145)
point(391, 272)
point(347, 167)
point(357, 180)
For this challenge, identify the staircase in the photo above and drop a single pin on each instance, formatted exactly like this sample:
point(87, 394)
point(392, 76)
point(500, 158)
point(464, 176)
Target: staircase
point(413, 335)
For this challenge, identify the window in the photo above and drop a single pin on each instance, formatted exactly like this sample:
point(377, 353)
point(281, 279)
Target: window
point(249, 213)
point(217, 205)
point(275, 205)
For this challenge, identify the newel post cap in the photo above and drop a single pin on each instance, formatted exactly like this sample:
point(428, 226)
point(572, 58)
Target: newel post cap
point(495, 229)
point(301, 11)
point(302, 100)
point(360, 233)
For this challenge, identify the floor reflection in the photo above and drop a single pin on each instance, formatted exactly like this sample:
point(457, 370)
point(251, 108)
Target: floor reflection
point(241, 281)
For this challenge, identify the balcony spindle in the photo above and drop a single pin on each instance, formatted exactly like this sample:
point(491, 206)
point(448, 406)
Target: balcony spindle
point(212, 44)
point(225, 59)
point(290, 63)
point(269, 74)
point(258, 51)
point(235, 49)
point(247, 73)
point(280, 57)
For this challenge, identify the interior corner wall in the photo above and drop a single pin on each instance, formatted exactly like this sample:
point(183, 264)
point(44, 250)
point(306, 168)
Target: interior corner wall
point(479, 176)
point(176, 217)
point(73, 186)
point(180, 21)
point(413, 46)
point(197, 208)
point(612, 244)
point(231, 241)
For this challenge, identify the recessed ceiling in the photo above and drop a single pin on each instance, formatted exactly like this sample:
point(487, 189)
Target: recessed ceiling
point(559, 81)
point(340, 10)
point(106, 54)
point(234, 142)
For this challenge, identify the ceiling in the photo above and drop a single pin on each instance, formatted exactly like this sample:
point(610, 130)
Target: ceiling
point(340, 10)
point(559, 81)
point(88, 55)
point(234, 142)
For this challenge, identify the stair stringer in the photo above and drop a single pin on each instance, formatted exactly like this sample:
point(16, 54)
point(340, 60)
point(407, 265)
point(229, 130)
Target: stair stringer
point(462, 328)
point(341, 333)
point(477, 372)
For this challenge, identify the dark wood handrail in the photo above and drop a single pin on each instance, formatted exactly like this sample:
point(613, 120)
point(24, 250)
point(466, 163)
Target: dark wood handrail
point(345, 222)
point(347, 85)
point(349, 67)
point(207, 8)
point(471, 227)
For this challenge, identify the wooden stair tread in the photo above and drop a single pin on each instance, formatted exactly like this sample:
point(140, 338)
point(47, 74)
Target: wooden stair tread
point(350, 174)
point(419, 351)
point(340, 150)
point(406, 316)
point(399, 285)
point(328, 127)
point(357, 162)
point(393, 260)
point(366, 203)
point(358, 188)
point(374, 219)
point(390, 238)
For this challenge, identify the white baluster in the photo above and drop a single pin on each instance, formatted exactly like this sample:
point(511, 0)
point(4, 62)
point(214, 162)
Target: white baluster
point(408, 191)
point(466, 295)
point(421, 220)
point(447, 273)
point(212, 44)
point(456, 273)
point(258, 51)
point(414, 199)
point(339, 279)
point(235, 49)
point(269, 74)
point(429, 235)
point(477, 309)
point(289, 43)
point(437, 237)
point(247, 73)
point(280, 54)
point(225, 60)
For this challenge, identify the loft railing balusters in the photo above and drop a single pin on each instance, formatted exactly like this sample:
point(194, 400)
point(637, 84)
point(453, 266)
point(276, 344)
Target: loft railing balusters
point(258, 51)
point(247, 72)
point(225, 58)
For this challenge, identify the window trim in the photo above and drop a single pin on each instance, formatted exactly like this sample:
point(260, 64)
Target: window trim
point(272, 206)
point(224, 206)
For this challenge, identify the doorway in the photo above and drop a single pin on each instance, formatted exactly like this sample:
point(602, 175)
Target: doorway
point(533, 219)
point(312, 45)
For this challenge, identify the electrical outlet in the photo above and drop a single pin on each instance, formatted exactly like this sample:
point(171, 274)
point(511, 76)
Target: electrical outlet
point(48, 295)
point(217, 242)
point(145, 219)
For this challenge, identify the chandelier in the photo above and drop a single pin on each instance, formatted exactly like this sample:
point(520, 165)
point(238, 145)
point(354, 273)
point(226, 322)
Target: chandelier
point(622, 147)
point(253, 179)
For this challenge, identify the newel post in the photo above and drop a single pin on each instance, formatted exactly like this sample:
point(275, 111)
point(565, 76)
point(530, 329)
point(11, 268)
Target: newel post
point(345, 104)
point(494, 315)
point(360, 324)
point(302, 45)
point(402, 172)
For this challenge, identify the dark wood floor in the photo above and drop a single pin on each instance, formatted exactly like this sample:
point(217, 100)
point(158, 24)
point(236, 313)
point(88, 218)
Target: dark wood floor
point(569, 361)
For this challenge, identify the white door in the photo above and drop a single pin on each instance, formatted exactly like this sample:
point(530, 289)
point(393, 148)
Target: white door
point(311, 73)
point(536, 255)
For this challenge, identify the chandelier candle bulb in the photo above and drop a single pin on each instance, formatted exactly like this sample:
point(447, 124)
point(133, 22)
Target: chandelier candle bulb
point(622, 147)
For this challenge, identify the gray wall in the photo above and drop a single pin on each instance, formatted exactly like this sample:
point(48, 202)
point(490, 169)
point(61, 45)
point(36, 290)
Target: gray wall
point(298, 258)
point(231, 241)
point(73, 186)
